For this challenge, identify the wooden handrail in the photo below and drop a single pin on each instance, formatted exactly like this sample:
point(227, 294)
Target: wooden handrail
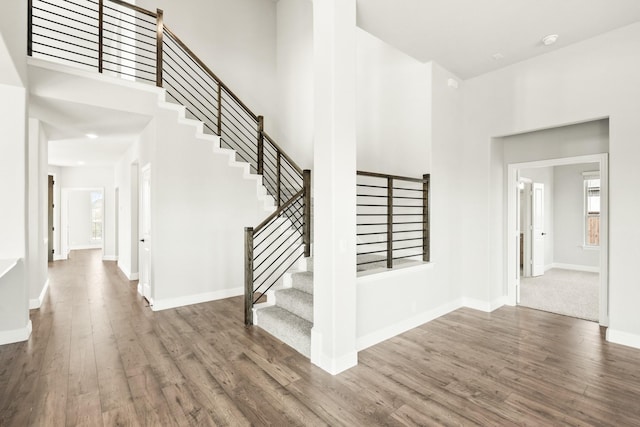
point(278, 211)
point(382, 175)
point(211, 73)
point(134, 7)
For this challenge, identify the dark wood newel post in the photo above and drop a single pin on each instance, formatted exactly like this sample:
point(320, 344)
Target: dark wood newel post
point(30, 27)
point(306, 179)
point(278, 175)
point(260, 145)
point(100, 35)
point(219, 109)
point(426, 246)
point(389, 222)
point(159, 36)
point(248, 276)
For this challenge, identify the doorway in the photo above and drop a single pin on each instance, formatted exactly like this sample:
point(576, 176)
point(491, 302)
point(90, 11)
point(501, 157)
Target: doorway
point(50, 226)
point(82, 219)
point(558, 267)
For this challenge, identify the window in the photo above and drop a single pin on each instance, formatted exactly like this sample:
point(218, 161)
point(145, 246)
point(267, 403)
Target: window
point(592, 210)
point(96, 215)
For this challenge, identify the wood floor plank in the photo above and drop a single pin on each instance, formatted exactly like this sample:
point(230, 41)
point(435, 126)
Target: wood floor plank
point(99, 356)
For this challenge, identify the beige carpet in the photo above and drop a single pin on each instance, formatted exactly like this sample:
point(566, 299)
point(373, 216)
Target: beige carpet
point(568, 292)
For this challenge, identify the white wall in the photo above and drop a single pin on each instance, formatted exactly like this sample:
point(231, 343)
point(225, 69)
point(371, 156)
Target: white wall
point(545, 176)
point(237, 41)
point(13, 42)
point(37, 237)
point(295, 80)
point(569, 217)
point(597, 78)
point(200, 206)
point(392, 109)
point(126, 180)
point(95, 177)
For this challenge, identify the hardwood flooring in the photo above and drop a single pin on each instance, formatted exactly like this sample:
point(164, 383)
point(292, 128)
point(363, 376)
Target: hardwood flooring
point(99, 356)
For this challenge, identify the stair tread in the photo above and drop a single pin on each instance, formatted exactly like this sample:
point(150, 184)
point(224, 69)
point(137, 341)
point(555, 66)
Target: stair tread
point(296, 301)
point(287, 327)
point(303, 280)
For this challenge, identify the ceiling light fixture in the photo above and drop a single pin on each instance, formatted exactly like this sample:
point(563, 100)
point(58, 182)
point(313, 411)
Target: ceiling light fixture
point(80, 162)
point(497, 56)
point(550, 39)
point(91, 135)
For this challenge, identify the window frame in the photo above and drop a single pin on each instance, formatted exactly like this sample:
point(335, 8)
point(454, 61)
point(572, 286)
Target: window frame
point(586, 177)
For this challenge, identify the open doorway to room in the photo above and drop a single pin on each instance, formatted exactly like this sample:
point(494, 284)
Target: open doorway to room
point(82, 219)
point(558, 209)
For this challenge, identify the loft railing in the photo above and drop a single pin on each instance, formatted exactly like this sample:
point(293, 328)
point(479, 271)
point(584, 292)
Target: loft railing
point(121, 39)
point(392, 219)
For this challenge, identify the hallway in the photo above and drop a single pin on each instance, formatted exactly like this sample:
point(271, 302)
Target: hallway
point(98, 356)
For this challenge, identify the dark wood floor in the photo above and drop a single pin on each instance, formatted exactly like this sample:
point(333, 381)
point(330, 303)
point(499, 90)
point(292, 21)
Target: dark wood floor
point(98, 356)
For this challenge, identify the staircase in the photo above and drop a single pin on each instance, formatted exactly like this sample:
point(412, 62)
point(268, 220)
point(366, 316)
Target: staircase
point(288, 312)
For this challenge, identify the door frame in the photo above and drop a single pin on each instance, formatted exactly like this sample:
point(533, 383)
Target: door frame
point(513, 244)
point(149, 292)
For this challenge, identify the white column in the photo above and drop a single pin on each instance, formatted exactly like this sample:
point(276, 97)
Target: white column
point(333, 338)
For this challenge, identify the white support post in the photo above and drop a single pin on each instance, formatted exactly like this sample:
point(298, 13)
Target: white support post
point(333, 338)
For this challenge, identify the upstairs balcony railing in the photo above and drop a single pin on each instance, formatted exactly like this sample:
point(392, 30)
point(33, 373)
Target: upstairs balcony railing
point(392, 220)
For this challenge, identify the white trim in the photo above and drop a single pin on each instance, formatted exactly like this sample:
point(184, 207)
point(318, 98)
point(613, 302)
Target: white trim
point(512, 176)
point(591, 173)
point(15, 335)
point(168, 303)
point(110, 258)
point(83, 247)
point(576, 267)
point(486, 306)
point(332, 365)
point(623, 338)
point(58, 257)
point(133, 276)
point(35, 303)
point(391, 331)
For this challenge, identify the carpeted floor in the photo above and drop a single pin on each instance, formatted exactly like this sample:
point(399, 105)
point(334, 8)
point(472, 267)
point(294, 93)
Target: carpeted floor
point(568, 292)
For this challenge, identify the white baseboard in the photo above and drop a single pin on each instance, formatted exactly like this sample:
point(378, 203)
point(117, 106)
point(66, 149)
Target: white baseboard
point(59, 257)
point(405, 325)
point(134, 276)
point(35, 303)
point(576, 267)
point(129, 275)
point(110, 258)
point(164, 304)
point(15, 335)
point(623, 338)
point(83, 247)
point(486, 306)
point(334, 366)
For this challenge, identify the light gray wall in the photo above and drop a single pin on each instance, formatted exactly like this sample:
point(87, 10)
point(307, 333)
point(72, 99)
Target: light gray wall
point(569, 217)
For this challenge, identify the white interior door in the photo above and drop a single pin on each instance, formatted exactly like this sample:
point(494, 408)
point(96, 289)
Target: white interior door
point(538, 234)
point(145, 235)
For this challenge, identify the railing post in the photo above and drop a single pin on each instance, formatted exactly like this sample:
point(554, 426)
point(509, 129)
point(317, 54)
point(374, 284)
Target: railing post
point(219, 109)
point(306, 179)
point(260, 145)
point(100, 35)
point(278, 182)
point(248, 276)
point(389, 222)
point(159, 36)
point(30, 27)
point(426, 232)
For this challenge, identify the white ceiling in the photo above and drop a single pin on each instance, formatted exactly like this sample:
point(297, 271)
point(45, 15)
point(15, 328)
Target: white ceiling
point(67, 125)
point(463, 35)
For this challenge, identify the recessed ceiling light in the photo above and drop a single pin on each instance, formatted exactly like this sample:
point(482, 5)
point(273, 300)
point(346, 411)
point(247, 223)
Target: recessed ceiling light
point(80, 162)
point(497, 56)
point(550, 39)
point(92, 136)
